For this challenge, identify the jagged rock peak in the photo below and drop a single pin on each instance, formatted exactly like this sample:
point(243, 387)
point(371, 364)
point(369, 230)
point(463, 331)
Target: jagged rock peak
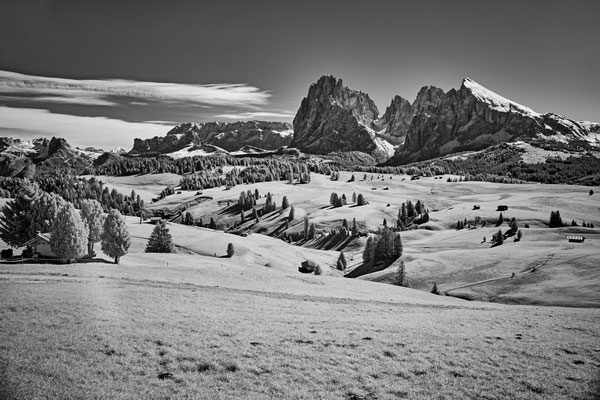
point(427, 98)
point(398, 116)
point(334, 118)
point(330, 89)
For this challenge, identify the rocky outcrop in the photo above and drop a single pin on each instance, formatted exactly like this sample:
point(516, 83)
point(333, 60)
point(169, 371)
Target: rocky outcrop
point(397, 118)
point(228, 136)
point(473, 118)
point(335, 118)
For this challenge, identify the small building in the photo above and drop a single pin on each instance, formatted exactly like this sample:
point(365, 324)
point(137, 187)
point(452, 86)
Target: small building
point(502, 208)
point(575, 238)
point(307, 267)
point(40, 244)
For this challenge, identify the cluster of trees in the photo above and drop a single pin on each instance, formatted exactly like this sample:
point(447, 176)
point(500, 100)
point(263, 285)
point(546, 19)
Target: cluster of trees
point(336, 200)
point(555, 220)
point(383, 247)
point(410, 215)
point(72, 232)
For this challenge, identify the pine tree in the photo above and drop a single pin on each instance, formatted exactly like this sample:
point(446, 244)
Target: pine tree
point(341, 262)
point(500, 220)
point(291, 214)
point(306, 227)
point(69, 234)
point(368, 251)
point(230, 250)
point(312, 231)
point(212, 224)
point(360, 200)
point(400, 278)
point(92, 214)
point(115, 238)
point(555, 219)
point(284, 203)
point(499, 237)
point(15, 221)
point(160, 240)
point(354, 228)
point(354, 197)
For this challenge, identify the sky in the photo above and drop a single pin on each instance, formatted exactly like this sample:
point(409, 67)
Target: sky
point(101, 73)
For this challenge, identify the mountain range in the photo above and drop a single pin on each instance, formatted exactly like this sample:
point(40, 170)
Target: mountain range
point(333, 118)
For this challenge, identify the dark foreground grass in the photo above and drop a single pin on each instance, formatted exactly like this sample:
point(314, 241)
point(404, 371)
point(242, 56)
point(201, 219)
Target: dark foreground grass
point(112, 340)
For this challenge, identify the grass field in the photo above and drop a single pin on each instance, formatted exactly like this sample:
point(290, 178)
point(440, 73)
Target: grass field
point(436, 253)
point(196, 324)
point(201, 328)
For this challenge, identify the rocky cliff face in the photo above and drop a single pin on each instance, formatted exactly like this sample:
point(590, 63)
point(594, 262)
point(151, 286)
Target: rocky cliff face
point(333, 118)
point(473, 118)
point(397, 118)
point(229, 136)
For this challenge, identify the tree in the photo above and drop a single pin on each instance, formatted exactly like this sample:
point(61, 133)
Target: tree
point(284, 203)
point(230, 250)
point(400, 278)
point(42, 212)
point(434, 289)
point(312, 231)
point(92, 214)
point(500, 220)
point(499, 237)
point(360, 200)
point(368, 252)
point(160, 240)
point(291, 214)
point(341, 262)
point(306, 225)
point(354, 197)
point(212, 224)
point(519, 234)
point(115, 238)
point(555, 219)
point(15, 220)
point(354, 228)
point(69, 234)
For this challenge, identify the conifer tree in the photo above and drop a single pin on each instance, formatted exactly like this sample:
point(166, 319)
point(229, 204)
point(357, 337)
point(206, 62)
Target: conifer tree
point(284, 203)
point(15, 221)
point(354, 197)
point(230, 250)
point(368, 251)
point(341, 262)
point(160, 240)
point(115, 238)
point(360, 200)
point(499, 237)
point(354, 228)
point(69, 234)
point(312, 231)
point(92, 214)
point(292, 213)
point(400, 278)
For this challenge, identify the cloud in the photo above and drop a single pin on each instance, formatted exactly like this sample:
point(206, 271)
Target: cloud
point(256, 115)
point(220, 94)
point(84, 99)
point(101, 132)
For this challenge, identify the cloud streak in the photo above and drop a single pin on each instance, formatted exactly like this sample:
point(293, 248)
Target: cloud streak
point(28, 123)
point(80, 91)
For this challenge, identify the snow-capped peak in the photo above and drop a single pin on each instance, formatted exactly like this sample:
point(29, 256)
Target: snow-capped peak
point(494, 99)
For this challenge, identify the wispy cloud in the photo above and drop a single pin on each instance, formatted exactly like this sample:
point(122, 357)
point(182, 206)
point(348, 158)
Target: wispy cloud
point(80, 131)
point(256, 115)
point(79, 91)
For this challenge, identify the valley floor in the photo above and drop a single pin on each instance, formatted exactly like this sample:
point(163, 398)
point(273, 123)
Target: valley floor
point(183, 326)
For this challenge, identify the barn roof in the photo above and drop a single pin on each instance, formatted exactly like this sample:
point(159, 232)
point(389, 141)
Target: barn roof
point(44, 237)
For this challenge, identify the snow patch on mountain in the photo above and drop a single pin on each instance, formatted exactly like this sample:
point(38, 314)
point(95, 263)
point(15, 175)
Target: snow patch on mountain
point(495, 101)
